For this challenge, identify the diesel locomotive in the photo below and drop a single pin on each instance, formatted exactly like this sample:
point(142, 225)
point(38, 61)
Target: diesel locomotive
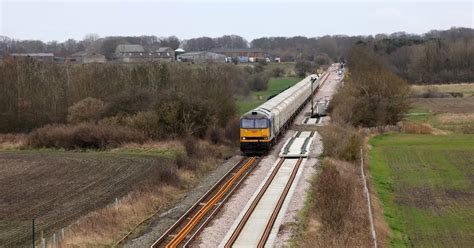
point(260, 127)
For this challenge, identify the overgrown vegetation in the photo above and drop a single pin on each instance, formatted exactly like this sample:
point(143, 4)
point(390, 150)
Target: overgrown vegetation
point(160, 100)
point(335, 214)
point(372, 95)
point(83, 136)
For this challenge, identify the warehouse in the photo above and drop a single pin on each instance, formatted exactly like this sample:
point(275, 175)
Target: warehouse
point(201, 57)
point(241, 52)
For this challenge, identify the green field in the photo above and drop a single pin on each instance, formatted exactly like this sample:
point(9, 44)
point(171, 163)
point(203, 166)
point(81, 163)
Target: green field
point(426, 185)
point(275, 86)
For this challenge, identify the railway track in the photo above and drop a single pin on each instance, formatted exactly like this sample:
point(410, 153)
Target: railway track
point(186, 228)
point(255, 226)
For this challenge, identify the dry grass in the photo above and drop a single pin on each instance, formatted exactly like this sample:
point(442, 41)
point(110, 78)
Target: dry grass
point(12, 141)
point(454, 118)
point(445, 105)
point(159, 145)
point(337, 215)
point(418, 128)
point(108, 225)
point(466, 88)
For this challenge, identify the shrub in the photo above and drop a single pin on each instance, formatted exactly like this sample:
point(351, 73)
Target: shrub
point(258, 82)
point(87, 109)
point(342, 142)
point(278, 72)
point(191, 146)
point(232, 130)
point(82, 136)
point(215, 135)
point(183, 162)
point(372, 95)
point(147, 122)
point(302, 67)
point(169, 175)
point(335, 196)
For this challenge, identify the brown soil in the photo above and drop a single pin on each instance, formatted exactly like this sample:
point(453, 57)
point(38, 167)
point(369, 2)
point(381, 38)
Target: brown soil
point(58, 187)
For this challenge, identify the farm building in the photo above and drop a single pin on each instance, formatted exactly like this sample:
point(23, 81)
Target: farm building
point(86, 57)
point(201, 57)
point(164, 54)
point(45, 57)
point(241, 52)
point(131, 53)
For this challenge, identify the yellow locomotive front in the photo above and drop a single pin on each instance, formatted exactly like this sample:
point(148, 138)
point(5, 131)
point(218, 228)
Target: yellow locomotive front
point(255, 133)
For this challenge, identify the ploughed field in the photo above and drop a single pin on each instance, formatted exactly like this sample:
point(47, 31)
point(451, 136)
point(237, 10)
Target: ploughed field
point(58, 187)
point(426, 185)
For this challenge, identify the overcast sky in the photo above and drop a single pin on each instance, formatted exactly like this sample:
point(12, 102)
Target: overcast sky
point(60, 20)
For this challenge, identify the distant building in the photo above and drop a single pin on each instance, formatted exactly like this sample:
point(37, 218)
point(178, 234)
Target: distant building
point(164, 54)
point(251, 54)
point(86, 57)
point(201, 57)
point(131, 53)
point(45, 57)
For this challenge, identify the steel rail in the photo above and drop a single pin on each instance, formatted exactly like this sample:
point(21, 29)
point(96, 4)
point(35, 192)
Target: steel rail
point(219, 206)
point(207, 207)
point(276, 210)
point(252, 207)
point(168, 232)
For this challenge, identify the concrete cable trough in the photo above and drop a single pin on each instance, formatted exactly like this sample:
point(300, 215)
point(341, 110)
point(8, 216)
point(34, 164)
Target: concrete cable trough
point(298, 145)
point(258, 225)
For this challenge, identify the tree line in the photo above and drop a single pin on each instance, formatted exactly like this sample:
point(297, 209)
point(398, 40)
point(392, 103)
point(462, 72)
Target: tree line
point(162, 100)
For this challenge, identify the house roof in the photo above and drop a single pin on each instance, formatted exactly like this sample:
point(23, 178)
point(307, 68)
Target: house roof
point(163, 49)
point(211, 54)
point(79, 54)
point(85, 53)
point(125, 48)
point(238, 50)
point(32, 54)
point(180, 50)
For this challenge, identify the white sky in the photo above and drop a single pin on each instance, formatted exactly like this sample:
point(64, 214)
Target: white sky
point(60, 20)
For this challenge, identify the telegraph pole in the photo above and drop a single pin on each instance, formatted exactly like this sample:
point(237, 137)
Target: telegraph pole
point(33, 234)
point(312, 97)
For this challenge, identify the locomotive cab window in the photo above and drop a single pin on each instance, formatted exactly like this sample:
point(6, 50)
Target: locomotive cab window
point(254, 123)
point(261, 123)
point(248, 123)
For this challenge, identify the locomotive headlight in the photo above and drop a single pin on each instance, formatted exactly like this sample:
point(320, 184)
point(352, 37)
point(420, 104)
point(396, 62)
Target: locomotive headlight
point(243, 138)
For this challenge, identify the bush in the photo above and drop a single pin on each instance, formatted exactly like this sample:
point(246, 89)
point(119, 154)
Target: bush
point(87, 109)
point(82, 136)
point(278, 72)
point(258, 82)
point(147, 122)
point(215, 135)
point(342, 142)
point(183, 162)
point(169, 175)
point(303, 67)
point(372, 95)
point(232, 130)
point(334, 195)
point(191, 146)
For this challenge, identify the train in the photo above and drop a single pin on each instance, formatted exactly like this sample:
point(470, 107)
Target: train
point(261, 127)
